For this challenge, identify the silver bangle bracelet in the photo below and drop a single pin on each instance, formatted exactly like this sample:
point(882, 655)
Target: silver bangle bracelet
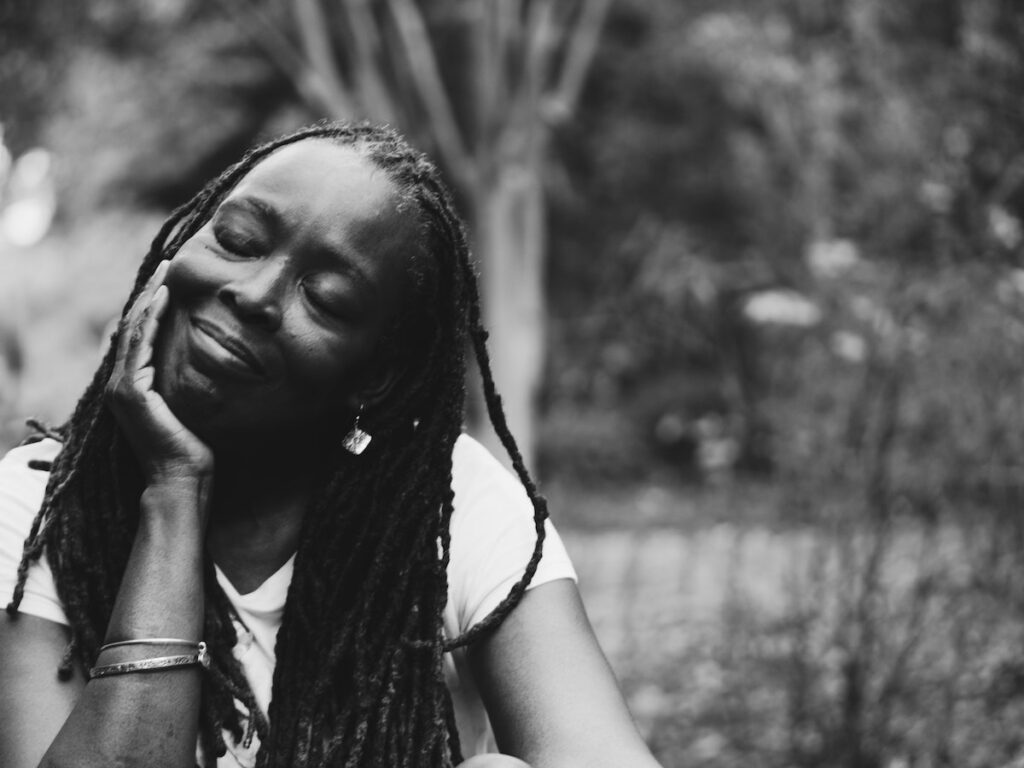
point(152, 641)
point(200, 657)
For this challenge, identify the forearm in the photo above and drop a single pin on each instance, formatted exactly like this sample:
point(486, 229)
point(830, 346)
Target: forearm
point(147, 718)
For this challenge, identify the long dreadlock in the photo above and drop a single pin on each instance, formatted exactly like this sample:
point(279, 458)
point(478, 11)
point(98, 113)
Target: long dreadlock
point(359, 677)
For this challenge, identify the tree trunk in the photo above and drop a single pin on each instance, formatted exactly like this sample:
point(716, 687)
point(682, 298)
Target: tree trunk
point(509, 231)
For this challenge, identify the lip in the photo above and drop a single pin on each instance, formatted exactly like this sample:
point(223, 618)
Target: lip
point(227, 348)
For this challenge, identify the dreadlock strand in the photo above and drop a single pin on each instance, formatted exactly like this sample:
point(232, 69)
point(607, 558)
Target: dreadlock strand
point(219, 623)
point(66, 667)
point(31, 551)
point(40, 431)
point(497, 416)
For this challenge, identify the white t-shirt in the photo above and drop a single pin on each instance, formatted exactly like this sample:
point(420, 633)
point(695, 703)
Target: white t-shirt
point(492, 538)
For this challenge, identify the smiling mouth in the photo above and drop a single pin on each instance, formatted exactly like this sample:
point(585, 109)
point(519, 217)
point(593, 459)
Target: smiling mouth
point(234, 346)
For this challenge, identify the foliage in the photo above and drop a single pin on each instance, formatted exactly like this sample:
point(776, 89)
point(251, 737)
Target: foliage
point(724, 144)
point(32, 58)
point(72, 287)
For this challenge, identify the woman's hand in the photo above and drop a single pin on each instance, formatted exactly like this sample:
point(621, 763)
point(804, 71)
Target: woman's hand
point(166, 450)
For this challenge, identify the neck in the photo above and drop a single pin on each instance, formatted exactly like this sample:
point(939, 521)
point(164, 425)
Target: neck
point(259, 503)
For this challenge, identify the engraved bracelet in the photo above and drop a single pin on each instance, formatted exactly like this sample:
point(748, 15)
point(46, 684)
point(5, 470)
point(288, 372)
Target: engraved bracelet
point(200, 657)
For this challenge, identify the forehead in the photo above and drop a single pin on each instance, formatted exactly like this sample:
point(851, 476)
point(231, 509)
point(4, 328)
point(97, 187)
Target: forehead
point(332, 194)
point(318, 173)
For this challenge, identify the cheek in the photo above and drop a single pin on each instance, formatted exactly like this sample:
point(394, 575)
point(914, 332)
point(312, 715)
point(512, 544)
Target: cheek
point(320, 367)
point(327, 374)
point(192, 272)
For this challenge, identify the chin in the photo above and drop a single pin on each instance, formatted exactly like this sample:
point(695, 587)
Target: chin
point(192, 401)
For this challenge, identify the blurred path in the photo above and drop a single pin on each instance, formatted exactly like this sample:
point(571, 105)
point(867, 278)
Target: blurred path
point(658, 591)
point(659, 587)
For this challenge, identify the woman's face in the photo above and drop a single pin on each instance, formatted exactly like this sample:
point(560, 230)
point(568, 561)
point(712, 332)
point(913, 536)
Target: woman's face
point(280, 302)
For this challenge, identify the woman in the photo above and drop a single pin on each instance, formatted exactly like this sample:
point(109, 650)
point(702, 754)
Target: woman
point(269, 462)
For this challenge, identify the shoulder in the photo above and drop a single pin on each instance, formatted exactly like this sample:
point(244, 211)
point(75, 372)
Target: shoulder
point(22, 487)
point(23, 480)
point(487, 496)
point(493, 535)
point(469, 456)
point(475, 470)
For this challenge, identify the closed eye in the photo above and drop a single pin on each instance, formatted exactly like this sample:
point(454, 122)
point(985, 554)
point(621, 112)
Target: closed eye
point(328, 300)
point(241, 229)
point(237, 242)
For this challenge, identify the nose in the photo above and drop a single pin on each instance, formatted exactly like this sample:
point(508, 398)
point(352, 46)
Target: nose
point(256, 294)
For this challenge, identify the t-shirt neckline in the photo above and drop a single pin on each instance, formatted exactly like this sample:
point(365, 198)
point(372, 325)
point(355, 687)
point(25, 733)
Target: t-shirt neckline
point(268, 597)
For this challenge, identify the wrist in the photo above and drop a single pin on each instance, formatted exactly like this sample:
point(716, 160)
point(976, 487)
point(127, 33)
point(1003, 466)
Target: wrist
point(170, 504)
point(180, 473)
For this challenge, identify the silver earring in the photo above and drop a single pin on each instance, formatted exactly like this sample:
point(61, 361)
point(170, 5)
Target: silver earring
point(356, 440)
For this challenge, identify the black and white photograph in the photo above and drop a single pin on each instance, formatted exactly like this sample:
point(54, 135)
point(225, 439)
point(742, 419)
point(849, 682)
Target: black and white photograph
point(512, 384)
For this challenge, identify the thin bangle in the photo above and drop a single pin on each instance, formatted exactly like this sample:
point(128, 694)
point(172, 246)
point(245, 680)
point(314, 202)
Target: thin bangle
point(152, 641)
point(200, 657)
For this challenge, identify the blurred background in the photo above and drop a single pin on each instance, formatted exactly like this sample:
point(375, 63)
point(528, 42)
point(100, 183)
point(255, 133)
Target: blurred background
point(755, 278)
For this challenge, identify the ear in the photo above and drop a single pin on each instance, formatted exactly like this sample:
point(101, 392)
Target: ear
point(379, 385)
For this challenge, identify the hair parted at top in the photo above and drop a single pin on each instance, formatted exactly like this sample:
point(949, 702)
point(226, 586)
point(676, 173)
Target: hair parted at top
point(359, 679)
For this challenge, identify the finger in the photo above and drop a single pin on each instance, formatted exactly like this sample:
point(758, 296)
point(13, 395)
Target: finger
point(130, 347)
point(142, 334)
point(132, 316)
point(146, 295)
point(157, 278)
point(150, 325)
point(141, 410)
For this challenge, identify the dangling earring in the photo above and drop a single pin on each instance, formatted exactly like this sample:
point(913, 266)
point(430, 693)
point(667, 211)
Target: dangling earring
point(356, 440)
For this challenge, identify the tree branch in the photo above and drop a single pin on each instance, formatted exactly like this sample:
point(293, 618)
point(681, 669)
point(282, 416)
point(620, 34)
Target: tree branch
point(581, 45)
point(538, 33)
point(539, 48)
point(366, 46)
point(426, 76)
point(486, 30)
point(265, 33)
point(314, 32)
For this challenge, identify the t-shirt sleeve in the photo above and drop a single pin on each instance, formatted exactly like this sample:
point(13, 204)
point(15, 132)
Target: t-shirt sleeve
point(21, 494)
point(493, 536)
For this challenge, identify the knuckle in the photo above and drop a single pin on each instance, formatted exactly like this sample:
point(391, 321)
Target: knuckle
point(115, 396)
point(122, 391)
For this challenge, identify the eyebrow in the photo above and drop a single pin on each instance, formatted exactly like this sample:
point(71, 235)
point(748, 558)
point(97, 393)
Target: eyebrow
point(261, 208)
point(273, 218)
